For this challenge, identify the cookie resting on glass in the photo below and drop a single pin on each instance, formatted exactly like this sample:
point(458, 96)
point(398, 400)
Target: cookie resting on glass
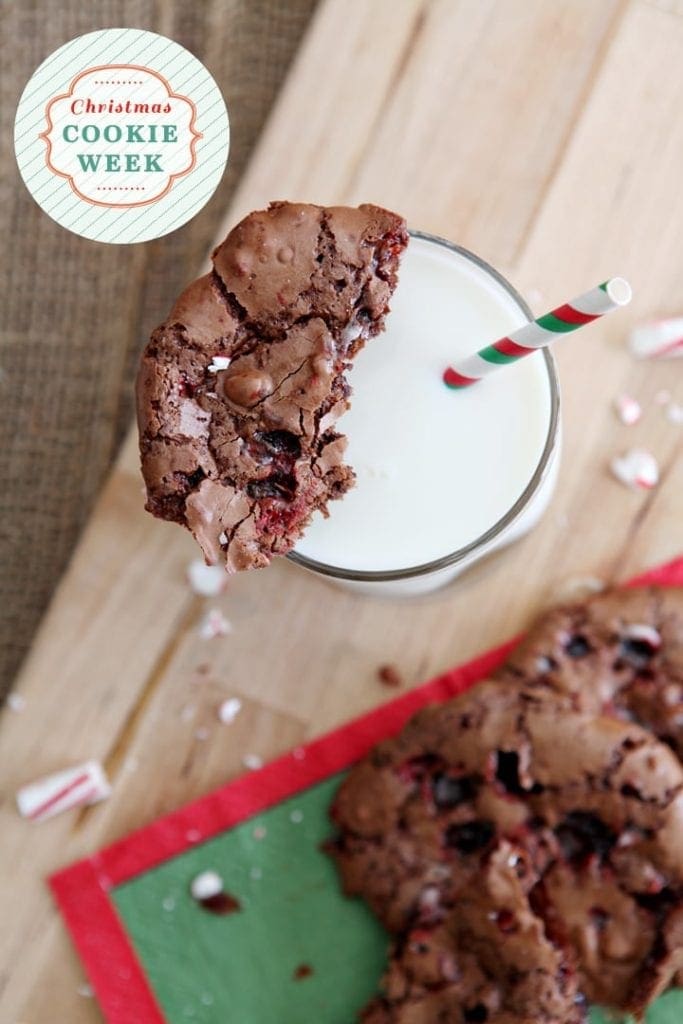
point(240, 388)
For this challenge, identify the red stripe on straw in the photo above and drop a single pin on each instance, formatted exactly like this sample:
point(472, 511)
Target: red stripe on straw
point(574, 316)
point(510, 348)
point(457, 380)
point(59, 795)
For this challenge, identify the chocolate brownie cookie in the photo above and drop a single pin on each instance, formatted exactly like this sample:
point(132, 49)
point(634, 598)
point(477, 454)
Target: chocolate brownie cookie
point(592, 805)
point(619, 653)
point(458, 969)
point(239, 389)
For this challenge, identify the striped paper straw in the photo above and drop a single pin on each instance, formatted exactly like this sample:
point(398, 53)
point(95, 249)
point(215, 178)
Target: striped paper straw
point(539, 333)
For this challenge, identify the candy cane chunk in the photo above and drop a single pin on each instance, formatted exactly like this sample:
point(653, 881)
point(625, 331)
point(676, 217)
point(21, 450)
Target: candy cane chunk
point(206, 580)
point(637, 469)
point(74, 787)
point(660, 339)
point(628, 410)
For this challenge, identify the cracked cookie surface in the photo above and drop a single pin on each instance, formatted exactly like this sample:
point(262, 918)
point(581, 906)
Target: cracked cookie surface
point(590, 810)
point(240, 388)
point(618, 653)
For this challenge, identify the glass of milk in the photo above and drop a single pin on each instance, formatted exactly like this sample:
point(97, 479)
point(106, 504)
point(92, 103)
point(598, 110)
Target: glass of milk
point(443, 477)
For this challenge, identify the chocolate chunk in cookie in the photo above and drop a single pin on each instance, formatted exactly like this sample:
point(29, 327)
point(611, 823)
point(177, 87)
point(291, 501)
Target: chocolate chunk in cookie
point(240, 388)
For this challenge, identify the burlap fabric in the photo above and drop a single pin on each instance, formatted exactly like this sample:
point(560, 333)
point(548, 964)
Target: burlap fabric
point(75, 313)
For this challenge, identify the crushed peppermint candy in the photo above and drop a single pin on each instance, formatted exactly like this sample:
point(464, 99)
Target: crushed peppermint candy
point(659, 339)
point(214, 624)
point(188, 712)
point(218, 363)
point(637, 469)
point(252, 761)
point(15, 702)
point(628, 409)
point(296, 817)
point(577, 587)
point(205, 885)
point(223, 538)
point(642, 633)
point(80, 786)
point(206, 580)
point(674, 413)
point(229, 710)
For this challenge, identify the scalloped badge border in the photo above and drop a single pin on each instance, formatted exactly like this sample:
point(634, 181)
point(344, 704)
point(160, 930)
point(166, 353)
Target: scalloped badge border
point(172, 95)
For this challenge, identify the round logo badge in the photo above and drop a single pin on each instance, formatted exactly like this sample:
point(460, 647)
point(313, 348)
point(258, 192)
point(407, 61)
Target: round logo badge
point(121, 135)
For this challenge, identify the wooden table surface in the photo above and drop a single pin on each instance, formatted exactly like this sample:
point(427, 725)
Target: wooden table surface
point(548, 138)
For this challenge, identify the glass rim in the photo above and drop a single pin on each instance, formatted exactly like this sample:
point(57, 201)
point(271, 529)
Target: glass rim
point(454, 558)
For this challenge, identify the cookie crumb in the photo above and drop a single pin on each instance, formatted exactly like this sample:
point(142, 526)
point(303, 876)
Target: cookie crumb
point(389, 675)
point(207, 890)
point(302, 971)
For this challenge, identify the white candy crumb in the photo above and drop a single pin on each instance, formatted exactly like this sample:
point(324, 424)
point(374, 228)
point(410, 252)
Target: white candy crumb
point(660, 339)
point(296, 817)
point(637, 469)
point(214, 624)
point(223, 538)
point(188, 712)
point(643, 632)
point(580, 586)
point(15, 702)
point(206, 580)
point(74, 787)
point(205, 885)
point(229, 710)
point(259, 832)
point(255, 874)
point(219, 363)
point(674, 413)
point(85, 991)
point(252, 761)
point(628, 409)
point(168, 904)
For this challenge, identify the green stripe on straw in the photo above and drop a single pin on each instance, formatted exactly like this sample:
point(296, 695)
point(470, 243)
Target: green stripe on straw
point(493, 355)
point(554, 324)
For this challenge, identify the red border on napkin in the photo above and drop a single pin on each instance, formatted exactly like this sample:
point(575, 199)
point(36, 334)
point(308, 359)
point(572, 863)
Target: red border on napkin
point(82, 890)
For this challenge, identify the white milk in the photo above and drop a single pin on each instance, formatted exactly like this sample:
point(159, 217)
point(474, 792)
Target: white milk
point(436, 469)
